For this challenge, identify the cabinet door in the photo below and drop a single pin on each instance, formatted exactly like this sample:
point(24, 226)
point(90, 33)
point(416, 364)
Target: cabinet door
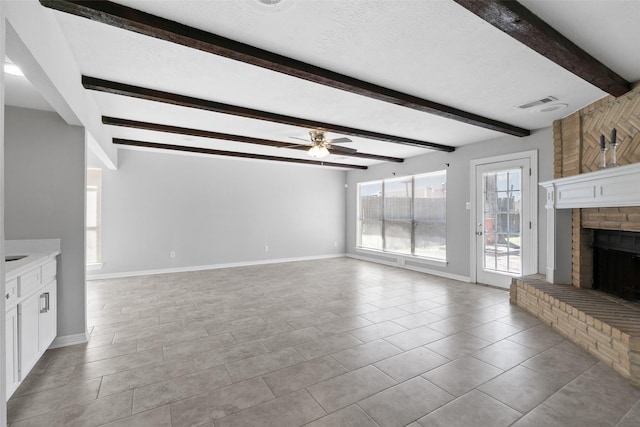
point(47, 323)
point(28, 320)
point(11, 334)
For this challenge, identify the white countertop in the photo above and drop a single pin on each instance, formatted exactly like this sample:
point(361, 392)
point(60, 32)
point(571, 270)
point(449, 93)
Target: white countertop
point(36, 251)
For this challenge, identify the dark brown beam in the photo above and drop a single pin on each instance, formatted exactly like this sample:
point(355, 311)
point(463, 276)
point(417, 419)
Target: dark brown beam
point(523, 25)
point(113, 121)
point(154, 26)
point(218, 107)
point(185, 149)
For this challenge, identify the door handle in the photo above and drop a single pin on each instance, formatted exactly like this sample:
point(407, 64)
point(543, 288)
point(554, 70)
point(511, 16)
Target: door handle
point(478, 233)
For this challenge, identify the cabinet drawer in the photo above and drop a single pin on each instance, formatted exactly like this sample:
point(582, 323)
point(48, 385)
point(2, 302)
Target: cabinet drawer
point(11, 293)
point(49, 271)
point(29, 282)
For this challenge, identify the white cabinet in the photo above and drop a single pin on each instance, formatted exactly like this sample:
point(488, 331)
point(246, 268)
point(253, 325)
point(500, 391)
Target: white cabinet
point(28, 323)
point(47, 326)
point(31, 313)
point(11, 334)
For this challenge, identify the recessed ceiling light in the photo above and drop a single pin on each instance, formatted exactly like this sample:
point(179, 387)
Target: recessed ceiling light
point(551, 107)
point(13, 69)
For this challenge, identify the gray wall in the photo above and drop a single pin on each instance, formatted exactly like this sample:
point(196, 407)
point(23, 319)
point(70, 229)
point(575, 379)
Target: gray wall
point(45, 199)
point(214, 211)
point(458, 193)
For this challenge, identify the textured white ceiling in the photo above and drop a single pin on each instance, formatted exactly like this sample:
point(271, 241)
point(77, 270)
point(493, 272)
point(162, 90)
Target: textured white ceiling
point(431, 49)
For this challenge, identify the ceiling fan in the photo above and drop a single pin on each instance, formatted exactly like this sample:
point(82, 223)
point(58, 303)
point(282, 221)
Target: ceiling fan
point(322, 147)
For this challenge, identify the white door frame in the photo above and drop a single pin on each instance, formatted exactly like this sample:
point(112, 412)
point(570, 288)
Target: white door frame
point(530, 259)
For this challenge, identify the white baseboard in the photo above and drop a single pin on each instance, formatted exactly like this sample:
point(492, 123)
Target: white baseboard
point(100, 276)
point(67, 340)
point(393, 263)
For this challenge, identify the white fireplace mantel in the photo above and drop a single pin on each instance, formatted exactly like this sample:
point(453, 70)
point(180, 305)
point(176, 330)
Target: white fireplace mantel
point(611, 187)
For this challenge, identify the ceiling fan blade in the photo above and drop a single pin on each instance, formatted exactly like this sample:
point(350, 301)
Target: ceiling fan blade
point(301, 139)
point(343, 150)
point(339, 141)
point(294, 145)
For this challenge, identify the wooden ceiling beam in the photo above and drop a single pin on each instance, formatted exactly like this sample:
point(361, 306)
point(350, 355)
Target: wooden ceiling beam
point(164, 29)
point(123, 89)
point(523, 25)
point(199, 150)
point(114, 121)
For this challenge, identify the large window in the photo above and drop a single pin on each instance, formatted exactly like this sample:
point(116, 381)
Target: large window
point(94, 226)
point(404, 215)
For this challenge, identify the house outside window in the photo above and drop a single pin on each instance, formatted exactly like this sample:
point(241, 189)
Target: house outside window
point(93, 221)
point(405, 216)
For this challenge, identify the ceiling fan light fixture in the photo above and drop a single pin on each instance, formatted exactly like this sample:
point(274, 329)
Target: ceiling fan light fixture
point(318, 151)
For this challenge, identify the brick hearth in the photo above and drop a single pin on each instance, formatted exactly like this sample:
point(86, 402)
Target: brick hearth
point(605, 326)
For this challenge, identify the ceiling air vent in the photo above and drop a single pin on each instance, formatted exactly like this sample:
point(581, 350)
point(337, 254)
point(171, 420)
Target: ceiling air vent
point(537, 103)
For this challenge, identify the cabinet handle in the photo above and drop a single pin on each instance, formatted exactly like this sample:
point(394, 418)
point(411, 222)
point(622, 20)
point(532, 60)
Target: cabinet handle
point(7, 296)
point(46, 302)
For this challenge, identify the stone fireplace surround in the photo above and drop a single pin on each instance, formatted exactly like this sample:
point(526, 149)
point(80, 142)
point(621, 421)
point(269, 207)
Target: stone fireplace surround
point(607, 327)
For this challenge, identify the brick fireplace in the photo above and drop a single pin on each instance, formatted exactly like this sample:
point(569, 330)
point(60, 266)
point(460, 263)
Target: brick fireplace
point(582, 199)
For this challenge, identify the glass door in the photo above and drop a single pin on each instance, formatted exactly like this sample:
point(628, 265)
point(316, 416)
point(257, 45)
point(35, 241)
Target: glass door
point(502, 219)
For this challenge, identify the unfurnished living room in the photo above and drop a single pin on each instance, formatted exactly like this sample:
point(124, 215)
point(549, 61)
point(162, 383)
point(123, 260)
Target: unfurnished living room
point(280, 213)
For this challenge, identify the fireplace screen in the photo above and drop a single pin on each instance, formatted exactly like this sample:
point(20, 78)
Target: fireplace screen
point(616, 263)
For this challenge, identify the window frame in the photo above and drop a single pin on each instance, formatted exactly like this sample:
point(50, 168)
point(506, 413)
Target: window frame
point(94, 184)
point(412, 243)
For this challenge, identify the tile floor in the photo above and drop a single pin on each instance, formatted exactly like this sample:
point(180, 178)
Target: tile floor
point(336, 342)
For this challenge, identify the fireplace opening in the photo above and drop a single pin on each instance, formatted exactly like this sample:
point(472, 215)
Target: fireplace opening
point(616, 263)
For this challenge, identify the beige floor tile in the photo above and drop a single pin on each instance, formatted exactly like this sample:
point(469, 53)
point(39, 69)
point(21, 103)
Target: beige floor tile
point(365, 354)
point(385, 314)
point(261, 331)
point(462, 375)
point(344, 324)
point(494, 331)
point(122, 326)
point(34, 404)
point(457, 345)
point(228, 354)
point(555, 363)
point(505, 354)
point(411, 363)
point(172, 338)
point(377, 331)
point(138, 377)
point(303, 375)
point(265, 363)
point(292, 410)
point(42, 381)
point(414, 337)
point(341, 391)
point(92, 413)
point(405, 402)
point(198, 410)
point(326, 345)
point(472, 409)
point(351, 416)
point(452, 325)
point(289, 339)
point(158, 394)
point(158, 417)
point(184, 349)
point(417, 319)
point(118, 364)
point(521, 389)
point(129, 334)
